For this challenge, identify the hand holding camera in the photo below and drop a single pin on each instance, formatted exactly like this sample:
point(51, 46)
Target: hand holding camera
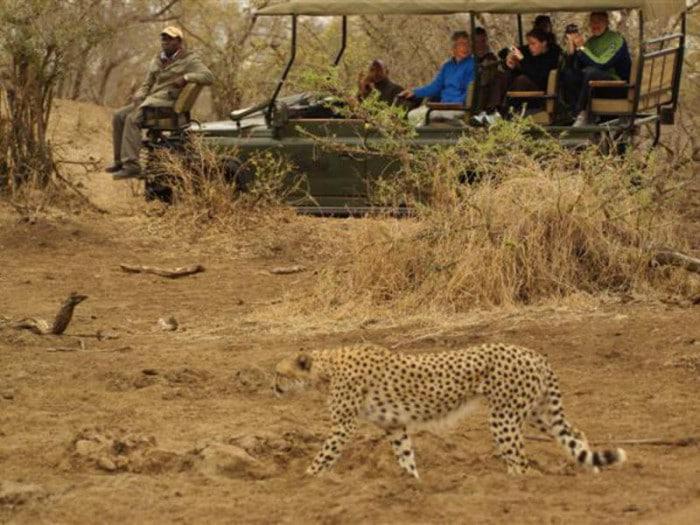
point(574, 38)
point(514, 57)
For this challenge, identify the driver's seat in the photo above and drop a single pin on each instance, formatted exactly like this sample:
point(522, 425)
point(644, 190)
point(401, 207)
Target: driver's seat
point(172, 118)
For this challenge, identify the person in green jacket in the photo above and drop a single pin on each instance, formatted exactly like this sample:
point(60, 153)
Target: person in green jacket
point(604, 56)
point(167, 74)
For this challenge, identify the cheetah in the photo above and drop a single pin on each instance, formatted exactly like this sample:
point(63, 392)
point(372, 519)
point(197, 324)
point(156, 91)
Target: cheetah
point(399, 391)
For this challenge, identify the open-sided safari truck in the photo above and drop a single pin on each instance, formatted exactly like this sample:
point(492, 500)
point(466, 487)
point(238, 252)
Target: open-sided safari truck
point(290, 125)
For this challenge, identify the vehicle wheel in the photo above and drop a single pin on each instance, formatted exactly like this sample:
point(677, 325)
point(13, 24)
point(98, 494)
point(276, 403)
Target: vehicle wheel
point(158, 191)
point(237, 173)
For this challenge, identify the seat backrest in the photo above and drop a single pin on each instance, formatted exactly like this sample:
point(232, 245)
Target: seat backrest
point(469, 99)
point(552, 87)
point(656, 86)
point(188, 96)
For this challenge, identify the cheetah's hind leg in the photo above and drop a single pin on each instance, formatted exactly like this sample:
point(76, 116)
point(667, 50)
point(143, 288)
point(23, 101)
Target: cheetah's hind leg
point(403, 449)
point(506, 429)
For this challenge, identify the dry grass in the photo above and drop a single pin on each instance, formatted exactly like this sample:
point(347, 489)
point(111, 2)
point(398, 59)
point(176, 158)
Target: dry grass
point(542, 224)
point(221, 192)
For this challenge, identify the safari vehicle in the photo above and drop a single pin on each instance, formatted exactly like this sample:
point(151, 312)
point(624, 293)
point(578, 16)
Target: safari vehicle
point(338, 183)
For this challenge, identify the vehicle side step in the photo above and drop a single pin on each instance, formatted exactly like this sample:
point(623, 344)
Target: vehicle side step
point(354, 211)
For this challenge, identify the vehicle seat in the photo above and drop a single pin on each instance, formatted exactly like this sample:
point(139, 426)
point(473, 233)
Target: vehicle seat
point(544, 116)
point(622, 104)
point(466, 107)
point(172, 118)
point(656, 85)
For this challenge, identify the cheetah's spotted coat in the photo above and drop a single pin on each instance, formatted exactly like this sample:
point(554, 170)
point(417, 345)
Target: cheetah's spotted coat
point(398, 391)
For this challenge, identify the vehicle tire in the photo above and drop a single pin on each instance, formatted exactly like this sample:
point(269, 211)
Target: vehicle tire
point(237, 173)
point(155, 190)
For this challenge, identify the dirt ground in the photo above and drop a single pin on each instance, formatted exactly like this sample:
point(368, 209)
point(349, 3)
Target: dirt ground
point(119, 420)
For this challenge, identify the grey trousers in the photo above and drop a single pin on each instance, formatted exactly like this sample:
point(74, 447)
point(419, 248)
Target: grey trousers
point(126, 134)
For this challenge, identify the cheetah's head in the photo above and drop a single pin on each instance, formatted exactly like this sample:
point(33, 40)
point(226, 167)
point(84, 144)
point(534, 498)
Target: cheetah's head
point(295, 373)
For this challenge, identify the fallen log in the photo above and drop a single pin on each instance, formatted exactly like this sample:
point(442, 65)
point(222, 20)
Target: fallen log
point(60, 322)
point(667, 257)
point(175, 273)
point(286, 270)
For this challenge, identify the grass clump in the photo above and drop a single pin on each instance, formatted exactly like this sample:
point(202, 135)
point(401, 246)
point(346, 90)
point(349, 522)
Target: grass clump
point(208, 187)
point(538, 223)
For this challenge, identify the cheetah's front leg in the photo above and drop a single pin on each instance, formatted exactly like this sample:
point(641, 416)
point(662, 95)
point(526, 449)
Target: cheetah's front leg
point(332, 448)
point(403, 449)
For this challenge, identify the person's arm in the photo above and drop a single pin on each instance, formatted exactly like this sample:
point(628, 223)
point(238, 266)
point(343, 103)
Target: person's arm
point(615, 49)
point(198, 73)
point(434, 88)
point(147, 84)
point(363, 86)
point(394, 92)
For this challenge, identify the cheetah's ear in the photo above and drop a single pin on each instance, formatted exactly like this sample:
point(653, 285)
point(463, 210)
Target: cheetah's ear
point(304, 362)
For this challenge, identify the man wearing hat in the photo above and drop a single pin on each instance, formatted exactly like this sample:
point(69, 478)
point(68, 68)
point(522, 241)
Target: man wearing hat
point(167, 74)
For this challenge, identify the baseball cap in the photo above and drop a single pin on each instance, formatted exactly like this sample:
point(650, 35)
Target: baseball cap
point(172, 32)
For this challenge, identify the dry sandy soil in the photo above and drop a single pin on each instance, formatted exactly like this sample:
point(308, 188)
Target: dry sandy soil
point(119, 420)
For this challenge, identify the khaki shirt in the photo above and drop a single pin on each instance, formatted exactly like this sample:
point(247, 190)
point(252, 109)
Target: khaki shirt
point(158, 88)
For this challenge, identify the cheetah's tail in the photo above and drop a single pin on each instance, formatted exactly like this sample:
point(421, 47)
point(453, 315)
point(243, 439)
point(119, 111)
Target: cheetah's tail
point(595, 459)
point(574, 441)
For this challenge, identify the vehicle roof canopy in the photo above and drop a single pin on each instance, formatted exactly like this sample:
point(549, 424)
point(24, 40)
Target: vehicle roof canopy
point(651, 8)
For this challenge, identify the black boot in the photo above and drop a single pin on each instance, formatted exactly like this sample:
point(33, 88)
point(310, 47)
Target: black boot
point(130, 170)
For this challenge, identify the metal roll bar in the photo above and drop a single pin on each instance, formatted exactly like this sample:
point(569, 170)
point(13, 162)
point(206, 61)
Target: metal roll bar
point(344, 40)
point(280, 82)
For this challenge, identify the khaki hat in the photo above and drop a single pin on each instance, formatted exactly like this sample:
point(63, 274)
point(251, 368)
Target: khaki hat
point(172, 32)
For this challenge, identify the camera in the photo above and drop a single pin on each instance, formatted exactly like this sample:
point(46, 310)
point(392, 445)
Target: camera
point(571, 29)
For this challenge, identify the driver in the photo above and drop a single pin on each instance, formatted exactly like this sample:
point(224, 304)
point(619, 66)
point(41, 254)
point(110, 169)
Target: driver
point(167, 74)
point(377, 79)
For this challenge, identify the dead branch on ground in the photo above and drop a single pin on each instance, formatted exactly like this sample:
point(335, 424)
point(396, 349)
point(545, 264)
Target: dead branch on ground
point(680, 442)
point(182, 271)
point(667, 257)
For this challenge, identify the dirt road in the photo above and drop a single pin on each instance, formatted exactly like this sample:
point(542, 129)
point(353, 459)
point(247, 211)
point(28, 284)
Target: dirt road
point(119, 420)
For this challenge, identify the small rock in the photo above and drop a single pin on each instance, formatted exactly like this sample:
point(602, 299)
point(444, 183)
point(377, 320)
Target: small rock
point(286, 270)
point(149, 371)
point(172, 394)
point(12, 493)
point(106, 464)
point(8, 394)
point(232, 462)
point(249, 443)
point(106, 335)
point(613, 355)
point(84, 447)
point(169, 325)
point(144, 381)
point(632, 508)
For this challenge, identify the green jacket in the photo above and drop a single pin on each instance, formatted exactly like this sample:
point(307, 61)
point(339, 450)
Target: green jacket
point(158, 90)
point(607, 52)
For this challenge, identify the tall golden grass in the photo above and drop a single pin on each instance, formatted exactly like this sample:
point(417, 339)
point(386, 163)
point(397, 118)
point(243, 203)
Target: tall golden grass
point(541, 224)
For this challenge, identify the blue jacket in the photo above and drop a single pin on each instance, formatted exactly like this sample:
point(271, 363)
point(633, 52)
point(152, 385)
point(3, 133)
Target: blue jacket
point(451, 82)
